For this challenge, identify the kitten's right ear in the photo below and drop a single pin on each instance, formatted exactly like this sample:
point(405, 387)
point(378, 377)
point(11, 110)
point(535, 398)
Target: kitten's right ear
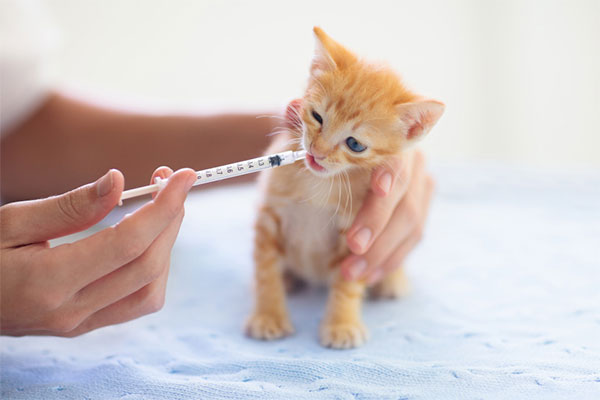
point(329, 54)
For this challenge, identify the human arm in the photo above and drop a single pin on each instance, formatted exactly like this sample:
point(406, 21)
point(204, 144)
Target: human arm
point(68, 142)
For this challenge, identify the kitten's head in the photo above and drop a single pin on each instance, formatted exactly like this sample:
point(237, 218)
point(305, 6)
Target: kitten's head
point(355, 115)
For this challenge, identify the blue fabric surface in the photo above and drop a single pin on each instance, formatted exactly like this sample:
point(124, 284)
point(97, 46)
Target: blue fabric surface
point(505, 304)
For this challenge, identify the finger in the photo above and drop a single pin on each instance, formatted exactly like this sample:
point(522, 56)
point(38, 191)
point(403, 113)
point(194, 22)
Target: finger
point(149, 269)
point(395, 260)
point(400, 227)
point(39, 220)
point(396, 169)
point(161, 172)
point(379, 269)
point(428, 195)
point(116, 246)
point(376, 210)
point(405, 218)
point(404, 224)
point(145, 301)
point(128, 279)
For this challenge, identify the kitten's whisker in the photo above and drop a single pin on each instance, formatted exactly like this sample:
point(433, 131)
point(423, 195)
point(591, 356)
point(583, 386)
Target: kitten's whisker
point(316, 193)
point(297, 122)
point(278, 132)
point(296, 113)
point(292, 141)
point(347, 189)
point(349, 192)
point(334, 181)
point(274, 116)
point(339, 201)
point(331, 183)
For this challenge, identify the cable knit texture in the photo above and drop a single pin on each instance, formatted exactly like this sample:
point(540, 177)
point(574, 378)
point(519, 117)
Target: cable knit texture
point(505, 304)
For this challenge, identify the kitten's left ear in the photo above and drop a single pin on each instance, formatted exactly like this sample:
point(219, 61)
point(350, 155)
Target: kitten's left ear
point(418, 118)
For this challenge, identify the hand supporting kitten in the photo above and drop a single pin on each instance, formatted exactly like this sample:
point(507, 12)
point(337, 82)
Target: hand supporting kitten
point(395, 219)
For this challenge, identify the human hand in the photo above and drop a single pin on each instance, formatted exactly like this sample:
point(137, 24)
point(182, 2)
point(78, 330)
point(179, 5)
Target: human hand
point(112, 276)
point(391, 220)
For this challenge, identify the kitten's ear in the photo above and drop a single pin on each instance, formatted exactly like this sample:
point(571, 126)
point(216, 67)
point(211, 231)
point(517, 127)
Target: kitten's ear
point(418, 118)
point(329, 54)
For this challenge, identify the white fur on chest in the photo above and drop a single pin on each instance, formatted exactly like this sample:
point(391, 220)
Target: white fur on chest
point(311, 236)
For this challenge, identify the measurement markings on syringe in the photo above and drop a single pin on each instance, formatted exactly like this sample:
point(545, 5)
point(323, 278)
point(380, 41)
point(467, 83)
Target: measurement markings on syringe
point(224, 172)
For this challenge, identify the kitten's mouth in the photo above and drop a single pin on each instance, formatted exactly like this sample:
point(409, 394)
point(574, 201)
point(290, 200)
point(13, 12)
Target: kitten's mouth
point(312, 163)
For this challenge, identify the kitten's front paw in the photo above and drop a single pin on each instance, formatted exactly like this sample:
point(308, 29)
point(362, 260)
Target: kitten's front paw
point(268, 326)
point(345, 335)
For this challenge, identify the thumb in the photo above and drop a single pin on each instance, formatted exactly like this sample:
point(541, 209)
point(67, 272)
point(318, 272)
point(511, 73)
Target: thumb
point(40, 220)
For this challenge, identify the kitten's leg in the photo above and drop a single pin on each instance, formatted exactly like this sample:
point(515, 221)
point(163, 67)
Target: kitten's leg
point(342, 327)
point(270, 318)
point(392, 286)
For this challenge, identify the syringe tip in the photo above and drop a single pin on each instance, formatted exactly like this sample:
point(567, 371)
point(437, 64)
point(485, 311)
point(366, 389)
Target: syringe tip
point(299, 155)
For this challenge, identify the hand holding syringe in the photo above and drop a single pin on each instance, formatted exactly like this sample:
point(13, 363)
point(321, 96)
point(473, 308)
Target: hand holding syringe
point(224, 172)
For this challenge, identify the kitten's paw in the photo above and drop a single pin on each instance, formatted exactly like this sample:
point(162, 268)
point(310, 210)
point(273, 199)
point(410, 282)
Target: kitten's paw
point(391, 287)
point(265, 326)
point(345, 335)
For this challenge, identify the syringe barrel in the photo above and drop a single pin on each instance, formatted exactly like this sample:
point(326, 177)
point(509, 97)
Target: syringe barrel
point(224, 172)
point(245, 167)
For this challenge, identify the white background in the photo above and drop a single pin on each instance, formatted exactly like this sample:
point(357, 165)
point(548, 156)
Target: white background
point(521, 79)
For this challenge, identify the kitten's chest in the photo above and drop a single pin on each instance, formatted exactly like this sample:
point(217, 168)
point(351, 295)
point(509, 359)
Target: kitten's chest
point(314, 215)
point(311, 239)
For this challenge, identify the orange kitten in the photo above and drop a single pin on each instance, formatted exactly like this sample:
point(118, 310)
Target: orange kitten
point(354, 116)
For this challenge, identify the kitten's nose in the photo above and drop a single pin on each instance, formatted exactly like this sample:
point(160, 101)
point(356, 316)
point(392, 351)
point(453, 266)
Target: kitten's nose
point(317, 153)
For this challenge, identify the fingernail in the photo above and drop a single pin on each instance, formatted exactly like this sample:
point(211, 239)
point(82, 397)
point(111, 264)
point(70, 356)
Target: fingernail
point(362, 238)
point(357, 268)
point(385, 182)
point(105, 184)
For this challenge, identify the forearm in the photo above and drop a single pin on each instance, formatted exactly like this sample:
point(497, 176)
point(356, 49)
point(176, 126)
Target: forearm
point(68, 143)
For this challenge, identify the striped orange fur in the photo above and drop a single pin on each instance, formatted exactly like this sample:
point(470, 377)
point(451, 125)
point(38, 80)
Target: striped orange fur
point(307, 209)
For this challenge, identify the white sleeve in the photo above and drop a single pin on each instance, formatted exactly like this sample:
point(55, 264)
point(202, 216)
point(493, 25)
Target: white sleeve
point(28, 41)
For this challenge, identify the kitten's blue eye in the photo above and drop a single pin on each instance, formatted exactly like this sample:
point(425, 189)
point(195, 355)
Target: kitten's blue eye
point(355, 145)
point(317, 117)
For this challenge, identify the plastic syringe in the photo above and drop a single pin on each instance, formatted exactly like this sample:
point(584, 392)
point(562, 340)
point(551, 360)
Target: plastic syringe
point(224, 172)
